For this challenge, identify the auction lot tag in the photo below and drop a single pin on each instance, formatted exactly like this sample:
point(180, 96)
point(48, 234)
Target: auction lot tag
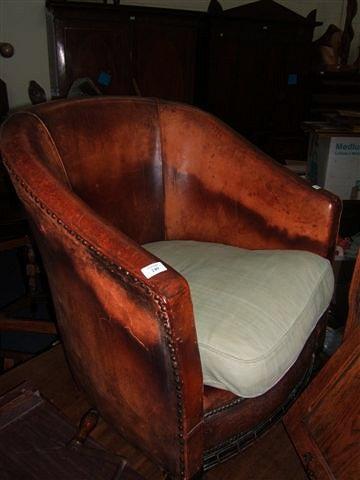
point(153, 269)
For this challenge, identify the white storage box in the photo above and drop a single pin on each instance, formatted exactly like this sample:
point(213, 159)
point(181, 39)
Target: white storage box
point(334, 162)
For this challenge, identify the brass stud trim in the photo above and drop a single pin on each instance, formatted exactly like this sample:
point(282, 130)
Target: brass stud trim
point(126, 277)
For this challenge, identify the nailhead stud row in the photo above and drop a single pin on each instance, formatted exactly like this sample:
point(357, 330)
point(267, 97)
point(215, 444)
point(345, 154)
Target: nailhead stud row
point(126, 277)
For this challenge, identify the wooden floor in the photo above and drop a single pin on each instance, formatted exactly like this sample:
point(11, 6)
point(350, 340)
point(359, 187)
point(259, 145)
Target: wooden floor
point(271, 458)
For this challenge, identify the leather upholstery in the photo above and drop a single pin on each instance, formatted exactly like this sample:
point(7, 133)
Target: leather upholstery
point(98, 177)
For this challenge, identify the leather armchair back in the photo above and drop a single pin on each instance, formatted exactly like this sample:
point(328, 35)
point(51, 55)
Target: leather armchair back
point(157, 170)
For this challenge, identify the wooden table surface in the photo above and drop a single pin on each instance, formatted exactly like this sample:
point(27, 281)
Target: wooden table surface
point(270, 458)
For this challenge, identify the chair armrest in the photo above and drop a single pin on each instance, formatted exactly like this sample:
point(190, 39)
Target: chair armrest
point(105, 305)
point(277, 209)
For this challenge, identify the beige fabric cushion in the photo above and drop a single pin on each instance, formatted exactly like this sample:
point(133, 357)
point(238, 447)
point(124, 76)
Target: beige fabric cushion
point(254, 309)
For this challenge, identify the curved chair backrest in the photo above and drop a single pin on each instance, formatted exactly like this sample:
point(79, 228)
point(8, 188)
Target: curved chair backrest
point(157, 170)
point(99, 177)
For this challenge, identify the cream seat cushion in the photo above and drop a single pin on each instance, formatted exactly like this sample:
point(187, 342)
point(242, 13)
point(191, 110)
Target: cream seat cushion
point(254, 309)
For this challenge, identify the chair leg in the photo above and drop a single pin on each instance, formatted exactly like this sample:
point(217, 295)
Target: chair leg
point(32, 273)
point(198, 476)
point(87, 425)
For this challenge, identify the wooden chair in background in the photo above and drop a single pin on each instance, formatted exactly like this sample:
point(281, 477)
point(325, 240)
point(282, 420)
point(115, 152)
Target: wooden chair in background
point(15, 237)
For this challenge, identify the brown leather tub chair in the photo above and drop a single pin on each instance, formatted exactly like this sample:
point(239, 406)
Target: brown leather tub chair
point(189, 271)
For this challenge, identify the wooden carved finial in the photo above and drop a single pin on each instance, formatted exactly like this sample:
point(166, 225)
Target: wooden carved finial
point(312, 16)
point(348, 35)
point(215, 8)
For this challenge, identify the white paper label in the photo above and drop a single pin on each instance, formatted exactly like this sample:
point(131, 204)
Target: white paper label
point(153, 269)
point(316, 187)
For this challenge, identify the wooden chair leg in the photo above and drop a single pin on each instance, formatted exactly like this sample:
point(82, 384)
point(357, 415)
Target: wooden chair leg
point(199, 476)
point(87, 425)
point(32, 272)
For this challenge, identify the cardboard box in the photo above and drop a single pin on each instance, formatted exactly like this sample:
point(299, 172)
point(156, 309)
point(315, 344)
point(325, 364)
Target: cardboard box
point(334, 162)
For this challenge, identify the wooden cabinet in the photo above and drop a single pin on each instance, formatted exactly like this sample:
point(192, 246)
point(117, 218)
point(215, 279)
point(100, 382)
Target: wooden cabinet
point(259, 62)
point(339, 90)
point(144, 51)
point(248, 65)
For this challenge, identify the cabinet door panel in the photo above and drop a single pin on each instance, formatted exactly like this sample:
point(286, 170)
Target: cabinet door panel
point(235, 84)
point(286, 66)
point(90, 49)
point(164, 57)
point(256, 80)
